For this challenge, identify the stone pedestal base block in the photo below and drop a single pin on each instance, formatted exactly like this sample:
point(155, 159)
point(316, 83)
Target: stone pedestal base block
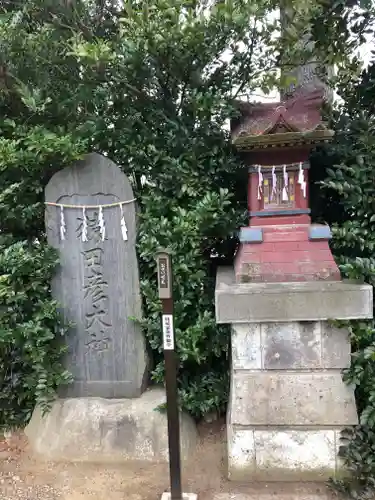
point(277, 302)
point(291, 399)
point(107, 430)
point(288, 402)
point(274, 454)
point(285, 426)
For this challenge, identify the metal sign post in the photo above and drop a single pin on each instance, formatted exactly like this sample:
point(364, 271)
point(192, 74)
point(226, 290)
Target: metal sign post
point(163, 259)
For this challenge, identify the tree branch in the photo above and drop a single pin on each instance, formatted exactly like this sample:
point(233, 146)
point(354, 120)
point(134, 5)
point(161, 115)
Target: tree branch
point(252, 48)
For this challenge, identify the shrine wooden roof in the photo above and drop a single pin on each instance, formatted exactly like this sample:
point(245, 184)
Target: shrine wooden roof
point(292, 122)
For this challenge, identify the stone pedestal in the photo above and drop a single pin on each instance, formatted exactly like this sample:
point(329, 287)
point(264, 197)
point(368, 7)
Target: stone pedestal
point(108, 430)
point(288, 402)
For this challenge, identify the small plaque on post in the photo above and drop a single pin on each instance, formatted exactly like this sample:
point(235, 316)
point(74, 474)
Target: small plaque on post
point(164, 274)
point(168, 333)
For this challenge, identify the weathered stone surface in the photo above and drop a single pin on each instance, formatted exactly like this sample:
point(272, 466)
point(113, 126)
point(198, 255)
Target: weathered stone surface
point(335, 347)
point(278, 302)
point(291, 345)
point(281, 455)
point(290, 491)
point(295, 454)
point(241, 453)
point(97, 283)
point(107, 430)
point(246, 347)
point(283, 398)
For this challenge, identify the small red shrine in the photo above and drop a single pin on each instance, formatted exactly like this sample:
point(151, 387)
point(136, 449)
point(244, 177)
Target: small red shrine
point(280, 244)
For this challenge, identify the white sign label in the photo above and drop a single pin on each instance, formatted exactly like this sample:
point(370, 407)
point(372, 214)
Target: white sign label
point(168, 334)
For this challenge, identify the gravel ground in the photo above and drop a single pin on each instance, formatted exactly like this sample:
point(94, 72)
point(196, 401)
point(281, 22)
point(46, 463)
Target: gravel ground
point(24, 478)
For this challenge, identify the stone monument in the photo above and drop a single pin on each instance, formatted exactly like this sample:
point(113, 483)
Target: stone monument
point(105, 413)
point(288, 402)
point(97, 283)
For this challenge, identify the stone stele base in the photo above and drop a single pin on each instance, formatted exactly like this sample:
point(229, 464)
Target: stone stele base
point(107, 430)
point(288, 402)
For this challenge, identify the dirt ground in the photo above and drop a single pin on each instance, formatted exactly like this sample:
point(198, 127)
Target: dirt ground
point(24, 478)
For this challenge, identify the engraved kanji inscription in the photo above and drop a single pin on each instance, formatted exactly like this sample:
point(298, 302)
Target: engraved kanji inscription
point(95, 287)
point(93, 228)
